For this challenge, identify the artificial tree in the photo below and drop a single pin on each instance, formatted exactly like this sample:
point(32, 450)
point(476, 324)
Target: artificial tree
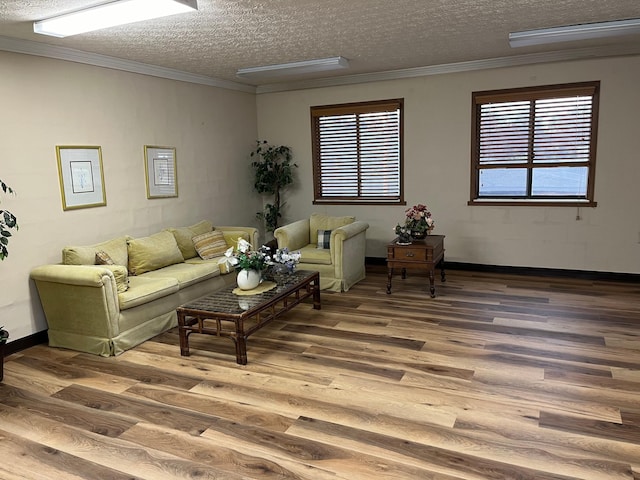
point(8, 221)
point(273, 172)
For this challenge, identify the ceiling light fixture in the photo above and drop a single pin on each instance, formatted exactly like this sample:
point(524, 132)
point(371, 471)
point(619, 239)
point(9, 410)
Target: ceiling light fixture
point(294, 68)
point(111, 14)
point(574, 32)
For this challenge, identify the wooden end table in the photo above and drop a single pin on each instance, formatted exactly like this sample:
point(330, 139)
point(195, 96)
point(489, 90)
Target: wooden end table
point(226, 314)
point(422, 255)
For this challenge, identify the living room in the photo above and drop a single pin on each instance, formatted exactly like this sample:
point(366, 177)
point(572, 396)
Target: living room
point(49, 102)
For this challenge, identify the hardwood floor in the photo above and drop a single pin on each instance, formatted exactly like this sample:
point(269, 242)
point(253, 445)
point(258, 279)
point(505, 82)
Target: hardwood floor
point(498, 377)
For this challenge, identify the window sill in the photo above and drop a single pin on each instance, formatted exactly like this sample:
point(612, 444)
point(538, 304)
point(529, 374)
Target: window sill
point(530, 202)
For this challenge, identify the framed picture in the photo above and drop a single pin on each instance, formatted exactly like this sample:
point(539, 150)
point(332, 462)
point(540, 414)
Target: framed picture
point(81, 177)
point(160, 171)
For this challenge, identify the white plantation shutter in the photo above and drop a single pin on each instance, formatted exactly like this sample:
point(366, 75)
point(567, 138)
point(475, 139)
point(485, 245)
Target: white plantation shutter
point(357, 152)
point(535, 143)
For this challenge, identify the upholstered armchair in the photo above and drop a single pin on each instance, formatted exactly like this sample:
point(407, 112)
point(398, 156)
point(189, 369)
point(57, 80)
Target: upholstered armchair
point(333, 246)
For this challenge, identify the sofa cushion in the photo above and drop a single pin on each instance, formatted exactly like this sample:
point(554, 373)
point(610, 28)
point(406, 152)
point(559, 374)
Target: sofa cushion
point(232, 236)
point(311, 254)
point(184, 235)
point(210, 245)
point(116, 248)
point(320, 221)
point(186, 273)
point(121, 275)
point(150, 253)
point(143, 290)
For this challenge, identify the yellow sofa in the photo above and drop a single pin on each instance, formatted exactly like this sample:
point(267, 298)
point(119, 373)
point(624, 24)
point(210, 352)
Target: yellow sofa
point(107, 309)
point(341, 261)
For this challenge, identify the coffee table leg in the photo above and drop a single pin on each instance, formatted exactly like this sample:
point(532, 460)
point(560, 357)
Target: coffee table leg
point(241, 350)
point(182, 333)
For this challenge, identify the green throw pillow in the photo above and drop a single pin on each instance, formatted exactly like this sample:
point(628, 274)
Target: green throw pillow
point(151, 253)
point(184, 235)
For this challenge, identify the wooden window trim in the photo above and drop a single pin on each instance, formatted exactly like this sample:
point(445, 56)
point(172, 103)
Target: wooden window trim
point(534, 93)
point(318, 112)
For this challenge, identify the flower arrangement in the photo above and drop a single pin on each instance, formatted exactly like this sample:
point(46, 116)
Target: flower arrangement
point(417, 223)
point(286, 258)
point(246, 258)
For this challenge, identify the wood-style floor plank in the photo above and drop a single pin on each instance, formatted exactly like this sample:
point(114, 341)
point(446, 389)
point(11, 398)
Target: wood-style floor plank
point(498, 377)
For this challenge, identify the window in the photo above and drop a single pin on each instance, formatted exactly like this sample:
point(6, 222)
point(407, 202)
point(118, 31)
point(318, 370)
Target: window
point(535, 146)
point(357, 153)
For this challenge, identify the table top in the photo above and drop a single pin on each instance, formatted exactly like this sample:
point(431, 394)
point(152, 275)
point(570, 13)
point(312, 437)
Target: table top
point(225, 303)
point(428, 241)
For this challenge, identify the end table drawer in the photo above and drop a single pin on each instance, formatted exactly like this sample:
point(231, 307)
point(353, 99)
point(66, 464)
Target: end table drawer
point(410, 254)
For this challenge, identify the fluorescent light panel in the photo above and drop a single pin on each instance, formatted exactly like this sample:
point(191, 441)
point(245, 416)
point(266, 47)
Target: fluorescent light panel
point(111, 14)
point(574, 32)
point(294, 68)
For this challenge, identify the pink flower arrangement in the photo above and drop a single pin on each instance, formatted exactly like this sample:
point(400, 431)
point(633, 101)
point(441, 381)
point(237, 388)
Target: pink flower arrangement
point(419, 219)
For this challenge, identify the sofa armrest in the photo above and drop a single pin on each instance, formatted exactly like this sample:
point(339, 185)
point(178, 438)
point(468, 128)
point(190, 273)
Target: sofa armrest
point(293, 236)
point(347, 246)
point(78, 299)
point(251, 231)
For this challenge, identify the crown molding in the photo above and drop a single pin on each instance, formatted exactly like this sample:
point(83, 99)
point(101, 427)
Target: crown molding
point(29, 47)
point(501, 62)
point(63, 53)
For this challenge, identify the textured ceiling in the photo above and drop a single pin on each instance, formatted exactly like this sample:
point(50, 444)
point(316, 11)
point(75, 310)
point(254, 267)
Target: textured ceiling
point(374, 35)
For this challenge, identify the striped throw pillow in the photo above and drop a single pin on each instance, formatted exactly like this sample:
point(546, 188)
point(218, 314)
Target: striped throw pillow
point(210, 245)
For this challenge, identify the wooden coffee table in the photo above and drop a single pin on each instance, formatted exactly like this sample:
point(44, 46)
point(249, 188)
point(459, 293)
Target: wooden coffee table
point(225, 314)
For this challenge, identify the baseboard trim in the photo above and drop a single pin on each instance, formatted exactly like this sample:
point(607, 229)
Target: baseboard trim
point(26, 342)
point(534, 271)
point(42, 337)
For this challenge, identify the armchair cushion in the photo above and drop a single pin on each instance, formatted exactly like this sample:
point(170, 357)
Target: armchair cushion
point(320, 221)
point(316, 256)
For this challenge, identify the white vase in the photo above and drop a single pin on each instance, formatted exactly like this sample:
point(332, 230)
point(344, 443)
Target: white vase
point(248, 279)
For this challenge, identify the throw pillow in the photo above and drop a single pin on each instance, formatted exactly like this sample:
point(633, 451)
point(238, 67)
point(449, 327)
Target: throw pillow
point(153, 252)
point(210, 245)
point(121, 276)
point(324, 239)
point(103, 258)
point(183, 236)
point(116, 248)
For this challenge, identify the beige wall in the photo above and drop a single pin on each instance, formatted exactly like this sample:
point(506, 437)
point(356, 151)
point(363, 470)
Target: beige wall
point(437, 162)
point(49, 102)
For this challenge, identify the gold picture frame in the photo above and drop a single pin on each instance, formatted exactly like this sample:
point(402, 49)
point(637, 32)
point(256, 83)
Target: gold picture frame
point(81, 176)
point(161, 172)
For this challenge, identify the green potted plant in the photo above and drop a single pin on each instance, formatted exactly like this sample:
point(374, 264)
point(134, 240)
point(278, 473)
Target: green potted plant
point(273, 172)
point(8, 221)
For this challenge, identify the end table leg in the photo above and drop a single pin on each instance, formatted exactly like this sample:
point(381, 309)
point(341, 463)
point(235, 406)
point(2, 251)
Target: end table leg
point(316, 294)
point(442, 276)
point(389, 275)
point(432, 287)
point(182, 333)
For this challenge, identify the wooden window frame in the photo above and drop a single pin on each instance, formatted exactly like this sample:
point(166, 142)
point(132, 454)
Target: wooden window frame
point(317, 112)
point(532, 94)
